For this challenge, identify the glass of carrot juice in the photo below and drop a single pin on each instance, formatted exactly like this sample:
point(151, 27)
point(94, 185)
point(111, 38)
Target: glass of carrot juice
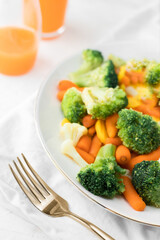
point(19, 35)
point(53, 16)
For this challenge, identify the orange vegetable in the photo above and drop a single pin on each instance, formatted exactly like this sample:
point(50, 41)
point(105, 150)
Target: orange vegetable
point(150, 111)
point(65, 84)
point(141, 78)
point(95, 146)
point(111, 122)
point(60, 95)
point(116, 141)
point(134, 79)
point(86, 156)
point(155, 155)
point(84, 143)
point(132, 196)
point(151, 102)
point(134, 154)
point(126, 81)
point(91, 130)
point(87, 121)
point(80, 88)
point(123, 155)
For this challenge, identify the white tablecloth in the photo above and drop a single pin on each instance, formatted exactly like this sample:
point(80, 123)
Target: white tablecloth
point(88, 22)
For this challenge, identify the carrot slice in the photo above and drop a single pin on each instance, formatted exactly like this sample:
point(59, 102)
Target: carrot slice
point(86, 156)
point(132, 196)
point(111, 122)
point(87, 121)
point(126, 81)
point(60, 95)
point(84, 143)
point(123, 155)
point(91, 130)
point(155, 155)
point(65, 84)
point(95, 146)
point(150, 111)
point(116, 141)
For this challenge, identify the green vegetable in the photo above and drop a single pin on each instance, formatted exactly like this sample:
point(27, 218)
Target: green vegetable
point(102, 76)
point(104, 151)
point(102, 177)
point(91, 59)
point(118, 62)
point(138, 132)
point(72, 106)
point(137, 65)
point(102, 102)
point(146, 180)
point(153, 74)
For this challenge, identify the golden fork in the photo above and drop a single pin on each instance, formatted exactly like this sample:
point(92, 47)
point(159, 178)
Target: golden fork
point(46, 200)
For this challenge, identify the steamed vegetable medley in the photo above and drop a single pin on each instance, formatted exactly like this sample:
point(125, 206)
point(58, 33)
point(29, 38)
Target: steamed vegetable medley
point(111, 127)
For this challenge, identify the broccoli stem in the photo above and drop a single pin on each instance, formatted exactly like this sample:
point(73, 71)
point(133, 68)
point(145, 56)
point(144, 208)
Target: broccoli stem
point(107, 150)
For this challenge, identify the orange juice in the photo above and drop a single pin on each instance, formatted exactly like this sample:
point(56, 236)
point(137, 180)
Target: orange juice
point(18, 50)
point(53, 13)
point(31, 14)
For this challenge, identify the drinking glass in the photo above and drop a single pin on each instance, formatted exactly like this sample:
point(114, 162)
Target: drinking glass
point(20, 26)
point(53, 16)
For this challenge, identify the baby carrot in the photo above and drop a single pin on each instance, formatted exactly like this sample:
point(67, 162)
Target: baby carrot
point(80, 88)
point(152, 102)
point(95, 146)
point(134, 79)
point(132, 196)
point(60, 95)
point(126, 81)
point(155, 155)
point(87, 121)
point(91, 130)
point(115, 141)
point(141, 77)
point(123, 155)
point(65, 84)
point(86, 156)
point(150, 111)
point(111, 122)
point(84, 143)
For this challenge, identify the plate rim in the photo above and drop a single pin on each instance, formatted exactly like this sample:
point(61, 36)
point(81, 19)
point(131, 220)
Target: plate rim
point(40, 90)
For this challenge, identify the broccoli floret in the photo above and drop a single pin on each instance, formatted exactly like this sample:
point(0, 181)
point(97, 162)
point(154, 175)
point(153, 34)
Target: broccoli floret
point(91, 60)
point(72, 106)
point(102, 102)
point(146, 180)
point(137, 65)
point(118, 62)
point(102, 76)
point(153, 74)
point(138, 132)
point(102, 177)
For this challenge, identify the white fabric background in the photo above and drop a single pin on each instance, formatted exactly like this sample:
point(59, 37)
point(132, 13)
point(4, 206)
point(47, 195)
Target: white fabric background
point(87, 24)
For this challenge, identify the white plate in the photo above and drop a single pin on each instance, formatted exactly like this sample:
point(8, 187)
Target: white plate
point(48, 116)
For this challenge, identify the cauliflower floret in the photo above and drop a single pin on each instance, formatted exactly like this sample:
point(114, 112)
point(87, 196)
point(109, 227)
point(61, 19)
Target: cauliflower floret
point(73, 131)
point(67, 148)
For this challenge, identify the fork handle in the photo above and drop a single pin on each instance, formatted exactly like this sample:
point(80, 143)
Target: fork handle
point(100, 233)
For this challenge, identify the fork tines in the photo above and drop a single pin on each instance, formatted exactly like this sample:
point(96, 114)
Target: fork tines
point(37, 190)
